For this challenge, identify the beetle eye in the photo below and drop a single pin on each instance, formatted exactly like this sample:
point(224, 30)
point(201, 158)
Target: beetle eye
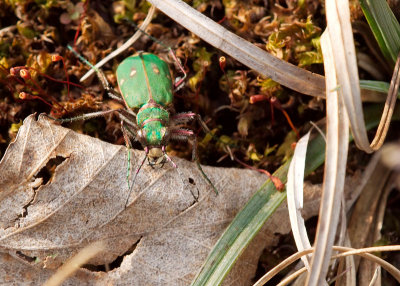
point(165, 135)
point(141, 133)
point(141, 137)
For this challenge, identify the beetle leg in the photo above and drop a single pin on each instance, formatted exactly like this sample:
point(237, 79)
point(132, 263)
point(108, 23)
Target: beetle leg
point(132, 133)
point(128, 150)
point(181, 134)
point(107, 87)
point(124, 115)
point(111, 92)
point(128, 113)
point(184, 117)
point(178, 84)
point(195, 158)
point(83, 116)
point(121, 113)
point(185, 134)
point(202, 124)
point(146, 149)
point(168, 158)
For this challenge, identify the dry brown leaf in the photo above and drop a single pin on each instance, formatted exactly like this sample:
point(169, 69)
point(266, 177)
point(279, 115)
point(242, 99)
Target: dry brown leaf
point(163, 236)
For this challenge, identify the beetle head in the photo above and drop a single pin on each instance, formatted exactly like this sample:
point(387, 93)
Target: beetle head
point(154, 138)
point(156, 156)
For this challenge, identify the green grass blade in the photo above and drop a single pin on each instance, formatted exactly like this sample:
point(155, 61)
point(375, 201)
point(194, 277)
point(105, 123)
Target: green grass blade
point(375, 85)
point(240, 232)
point(260, 207)
point(384, 26)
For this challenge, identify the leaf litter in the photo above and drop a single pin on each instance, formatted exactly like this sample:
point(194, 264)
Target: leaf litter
point(163, 234)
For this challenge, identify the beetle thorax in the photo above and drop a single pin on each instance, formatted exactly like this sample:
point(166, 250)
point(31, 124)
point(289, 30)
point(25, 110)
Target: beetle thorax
point(153, 124)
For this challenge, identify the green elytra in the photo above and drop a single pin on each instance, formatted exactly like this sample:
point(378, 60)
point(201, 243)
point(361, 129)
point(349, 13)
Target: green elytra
point(142, 77)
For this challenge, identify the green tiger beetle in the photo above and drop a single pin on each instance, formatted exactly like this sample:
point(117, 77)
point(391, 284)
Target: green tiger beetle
point(149, 117)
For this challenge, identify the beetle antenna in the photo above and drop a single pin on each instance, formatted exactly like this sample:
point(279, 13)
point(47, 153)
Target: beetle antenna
point(148, 35)
point(134, 178)
point(82, 59)
point(126, 45)
point(168, 158)
point(170, 51)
